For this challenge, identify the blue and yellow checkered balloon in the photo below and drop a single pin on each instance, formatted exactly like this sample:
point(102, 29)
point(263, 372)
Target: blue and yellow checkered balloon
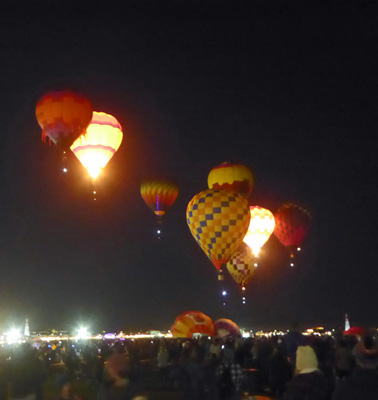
point(218, 220)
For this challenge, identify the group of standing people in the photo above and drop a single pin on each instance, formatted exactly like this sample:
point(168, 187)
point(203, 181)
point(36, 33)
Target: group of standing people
point(292, 367)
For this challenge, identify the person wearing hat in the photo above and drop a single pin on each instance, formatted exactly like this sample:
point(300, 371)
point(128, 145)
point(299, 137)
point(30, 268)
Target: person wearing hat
point(363, 382)
point(308, 382)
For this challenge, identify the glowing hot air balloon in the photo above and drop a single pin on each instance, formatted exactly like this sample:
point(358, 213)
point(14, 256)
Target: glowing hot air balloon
point(192, 322)
point(99, 143)
point(225, 328)
point(260, 228)
point(233, 177)
point(63, 116)
point(218, 220)
point(292, 224)
point(242, 266)
point(159, 195)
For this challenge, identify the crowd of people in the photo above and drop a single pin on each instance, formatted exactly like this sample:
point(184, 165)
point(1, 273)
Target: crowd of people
point(290, 367)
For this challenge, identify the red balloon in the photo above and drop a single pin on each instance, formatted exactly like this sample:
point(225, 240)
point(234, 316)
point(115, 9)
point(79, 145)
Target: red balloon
point(291, 225)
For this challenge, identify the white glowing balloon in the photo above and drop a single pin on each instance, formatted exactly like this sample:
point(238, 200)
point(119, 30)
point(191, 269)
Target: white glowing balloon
point(260, 228)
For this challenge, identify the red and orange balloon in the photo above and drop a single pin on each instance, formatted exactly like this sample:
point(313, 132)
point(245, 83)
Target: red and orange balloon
point(192, 322)
point(63, 116)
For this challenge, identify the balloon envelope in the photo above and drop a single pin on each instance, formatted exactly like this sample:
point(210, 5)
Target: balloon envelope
point(292, 224)
point(218, 220)
point(192, 322)
point(241, 265)
point(225, 328)
point(260, 228)
point(232, 177)
point(99, 143)
point(355, 330)
point(63, 116)
point(159, 195)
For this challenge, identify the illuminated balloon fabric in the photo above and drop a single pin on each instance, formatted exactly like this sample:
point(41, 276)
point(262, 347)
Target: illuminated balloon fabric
point(292, 224)
point(355, 330)
point(234, 177)
point(98, 144)
point(218, 220)
point(226, 328)
point(260, 228)
point(63, 116)
point(192, 322)
point(241, 265)
point(159, 195)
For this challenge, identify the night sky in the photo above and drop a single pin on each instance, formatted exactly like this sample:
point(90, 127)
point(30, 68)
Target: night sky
point(289, 88)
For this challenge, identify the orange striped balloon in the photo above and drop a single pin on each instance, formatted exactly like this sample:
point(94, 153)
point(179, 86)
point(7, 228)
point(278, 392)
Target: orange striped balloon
point(192, 322)
point(159, 195)
point(99, 143)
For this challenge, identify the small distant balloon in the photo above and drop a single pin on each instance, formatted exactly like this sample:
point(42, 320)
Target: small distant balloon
point(159, 195)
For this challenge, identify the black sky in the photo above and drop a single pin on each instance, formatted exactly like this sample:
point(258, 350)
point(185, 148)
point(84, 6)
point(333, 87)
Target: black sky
point(287, 87)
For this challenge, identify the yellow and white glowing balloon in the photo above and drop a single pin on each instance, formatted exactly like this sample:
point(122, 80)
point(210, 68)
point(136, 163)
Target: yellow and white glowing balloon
point(261, 227)
point(98, 144)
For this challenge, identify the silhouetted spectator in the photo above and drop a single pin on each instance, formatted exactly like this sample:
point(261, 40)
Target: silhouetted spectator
point(118, 385)
point(65, 392)
point(308, 383)
point(26, 375)
point(343, 359)
point(280, 372)
point(363, 382)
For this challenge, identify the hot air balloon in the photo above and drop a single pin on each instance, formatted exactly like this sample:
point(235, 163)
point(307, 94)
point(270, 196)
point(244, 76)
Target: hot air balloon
point(292, 224)
point(192, 322)
point(356, 331)
point(225, 328)
point(98, 144)
point(218, 220)
point(159, 195)
point(233, 177)
point(241, 266)
point(63, 116)
point(260, 228)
